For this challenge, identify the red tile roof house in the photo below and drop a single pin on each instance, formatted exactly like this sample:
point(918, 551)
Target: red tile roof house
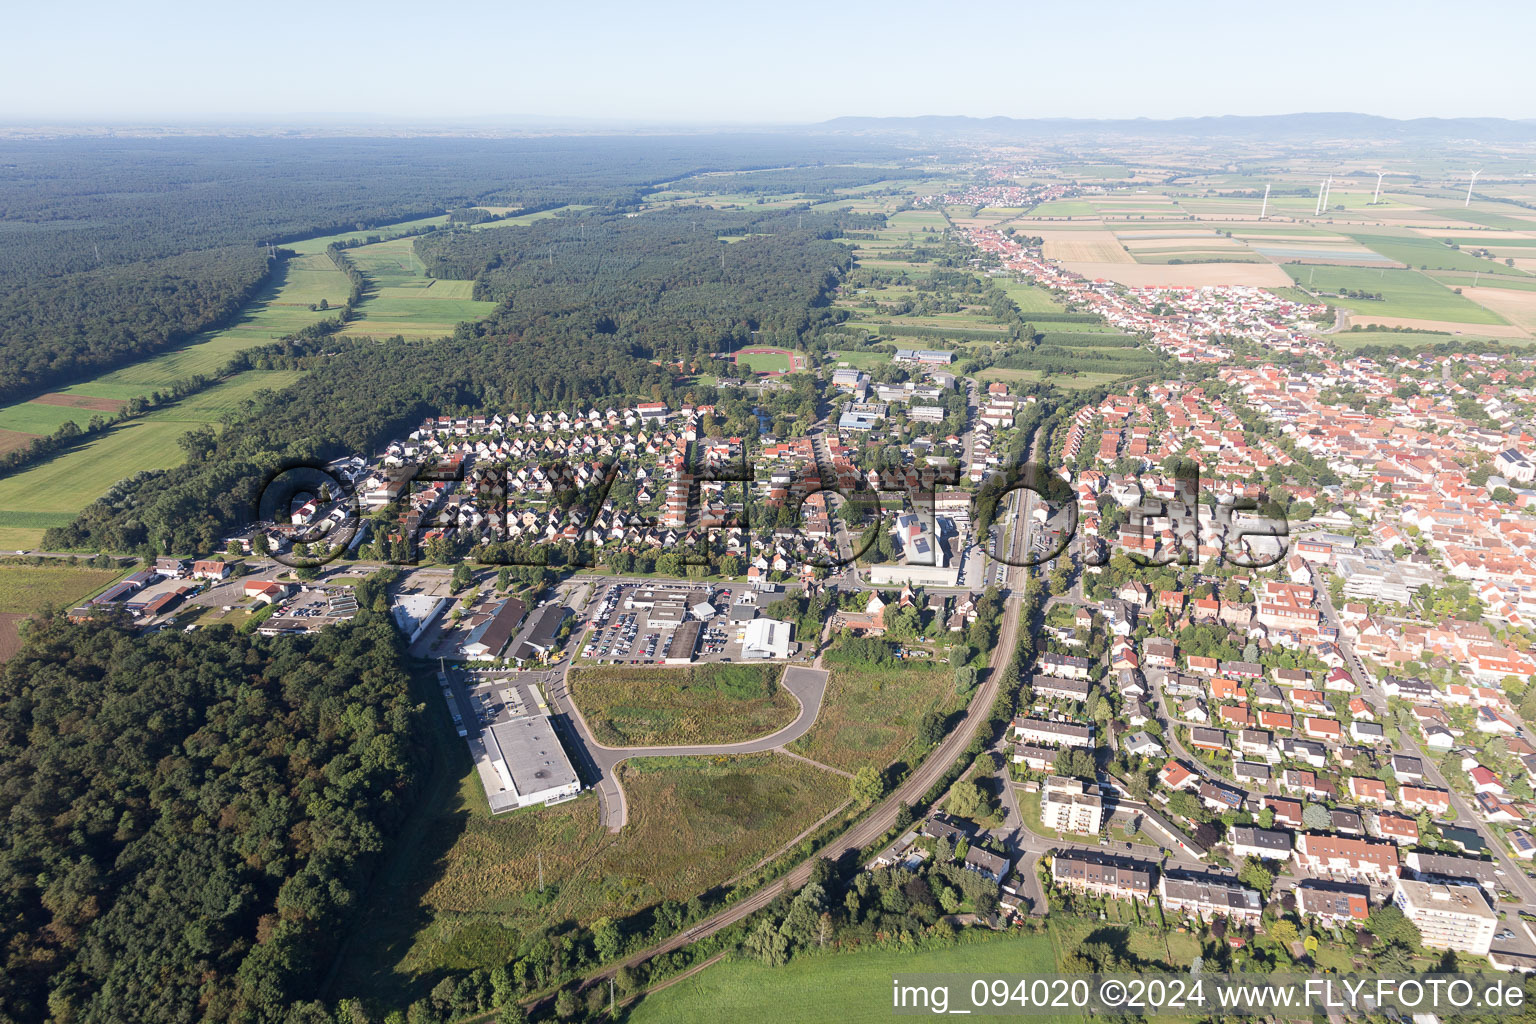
point(1235, 715)
point(1485, 781)
point(1365, 788)
point(1227, 689)
point(265, 591)
point(1323, 729)
point(1436, 801)
point(1348, 857)
point(1276, 720)
point(1308, 700)
point(1203, 666)
point(210, 569)
point(1403, 831)
point(1287, 812)
point(1175, 776)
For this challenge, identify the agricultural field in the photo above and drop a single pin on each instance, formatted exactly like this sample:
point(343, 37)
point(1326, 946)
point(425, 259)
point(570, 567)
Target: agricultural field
point(852, 986)
point(710, 703)
point(51, 493)
point(464, 889)
point(914, 226)
point(522, 219)
point(27, 589)
point(1062, 208)
point(279, 309)
point(1083, 380)
point(318, 245)
point(1084, 247)
point(1406, 293)
point(1432, 254)
point(403, 300)
point(870, 715)
point(1192, 275)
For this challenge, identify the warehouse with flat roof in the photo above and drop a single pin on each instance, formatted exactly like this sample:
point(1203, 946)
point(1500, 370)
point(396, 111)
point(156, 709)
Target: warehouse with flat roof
point(529, 762)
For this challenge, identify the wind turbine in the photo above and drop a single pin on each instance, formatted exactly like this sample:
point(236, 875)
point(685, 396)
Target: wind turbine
point(1469, 188)
point(1377, 198)
point(1321, 189)
point(1265, 205)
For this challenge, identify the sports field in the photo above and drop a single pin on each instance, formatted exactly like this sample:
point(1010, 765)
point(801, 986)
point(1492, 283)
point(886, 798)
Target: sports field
point(770, 360)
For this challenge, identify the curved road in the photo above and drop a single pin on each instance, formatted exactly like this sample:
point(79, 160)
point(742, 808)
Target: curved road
point(883, 817)
point(806, 685)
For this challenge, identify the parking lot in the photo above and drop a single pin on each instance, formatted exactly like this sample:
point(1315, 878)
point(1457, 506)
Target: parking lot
point(637, 625)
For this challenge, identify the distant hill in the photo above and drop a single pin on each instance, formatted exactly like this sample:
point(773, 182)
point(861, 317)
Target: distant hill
point(1291, 127)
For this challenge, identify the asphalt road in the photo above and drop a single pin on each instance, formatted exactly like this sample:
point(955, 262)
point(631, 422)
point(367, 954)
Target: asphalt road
point(806, 685)
point(883, 818)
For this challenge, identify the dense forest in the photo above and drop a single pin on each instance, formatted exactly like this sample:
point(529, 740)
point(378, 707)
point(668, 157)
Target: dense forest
point(190, 818)
point(113, 249)
point(663, 281)
point(79, 204)
point(56, 329)
point(573, 334)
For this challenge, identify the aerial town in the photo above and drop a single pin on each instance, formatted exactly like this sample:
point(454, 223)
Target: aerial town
point(620, 577)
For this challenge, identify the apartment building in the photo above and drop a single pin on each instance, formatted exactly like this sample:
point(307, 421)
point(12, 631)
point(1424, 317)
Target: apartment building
point(1448, 916)
point(1070, 805)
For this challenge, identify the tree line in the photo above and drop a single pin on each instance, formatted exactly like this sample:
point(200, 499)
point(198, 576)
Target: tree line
point(57, 329)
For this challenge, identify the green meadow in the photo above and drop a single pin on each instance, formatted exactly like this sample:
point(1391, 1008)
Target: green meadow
point(1417, 251)
point(279, 309)
point(845, 987)
point(1031, 298)
point(403, 300)
point(51, 493)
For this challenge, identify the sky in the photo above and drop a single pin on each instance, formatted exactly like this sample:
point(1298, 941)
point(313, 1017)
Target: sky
point(670, 62)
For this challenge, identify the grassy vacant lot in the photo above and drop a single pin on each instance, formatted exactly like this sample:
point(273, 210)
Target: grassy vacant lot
point(861, 360)
point(464, 889)
point(25, 589)
point(1031, 298)
point(840, 986)
point(1406, 293)
point(1126, 931)
point(694, 704)
point(869, 715)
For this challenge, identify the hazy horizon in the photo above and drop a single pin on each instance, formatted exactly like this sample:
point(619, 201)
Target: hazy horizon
point(687, 63)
